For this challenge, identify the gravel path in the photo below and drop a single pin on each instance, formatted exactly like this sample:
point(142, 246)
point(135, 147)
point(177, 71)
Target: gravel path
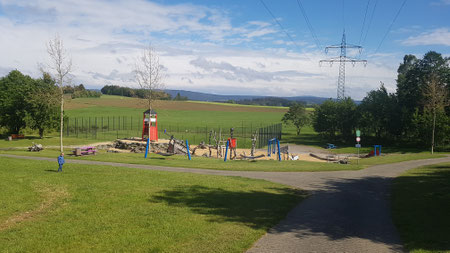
point(347, 212)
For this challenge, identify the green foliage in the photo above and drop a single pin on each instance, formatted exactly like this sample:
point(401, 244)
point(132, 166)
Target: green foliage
point(81, 92)
point(130, 92)
point(379, 114)
point(336, 118)
point(298, 116)
point(26, 102)
point(14, 91)
point(44, 110)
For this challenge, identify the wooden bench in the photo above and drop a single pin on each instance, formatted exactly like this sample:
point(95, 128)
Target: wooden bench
point(85, 151)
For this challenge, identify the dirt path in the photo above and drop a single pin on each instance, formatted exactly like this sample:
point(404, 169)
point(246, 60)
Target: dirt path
point(347, 212)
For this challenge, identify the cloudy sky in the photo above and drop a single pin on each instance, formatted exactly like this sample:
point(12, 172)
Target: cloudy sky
point(225, 47)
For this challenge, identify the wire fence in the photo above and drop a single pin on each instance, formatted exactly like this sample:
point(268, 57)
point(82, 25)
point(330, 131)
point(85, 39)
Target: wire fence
point(116, 127)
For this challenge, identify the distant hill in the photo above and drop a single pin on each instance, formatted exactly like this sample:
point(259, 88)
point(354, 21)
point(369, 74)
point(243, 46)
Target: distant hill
point(200, 96)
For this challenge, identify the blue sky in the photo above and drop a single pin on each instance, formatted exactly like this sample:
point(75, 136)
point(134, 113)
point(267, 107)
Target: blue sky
point(224, 47)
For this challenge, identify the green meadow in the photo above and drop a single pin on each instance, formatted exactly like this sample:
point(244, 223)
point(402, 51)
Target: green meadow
point(104, 208)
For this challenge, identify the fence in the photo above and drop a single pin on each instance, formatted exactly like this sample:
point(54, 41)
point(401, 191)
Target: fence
point(115, 127)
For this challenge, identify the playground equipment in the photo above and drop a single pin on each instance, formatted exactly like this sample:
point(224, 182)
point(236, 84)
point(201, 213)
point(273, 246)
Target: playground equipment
point(150, 121)
point(271, 147)
point(375, 152)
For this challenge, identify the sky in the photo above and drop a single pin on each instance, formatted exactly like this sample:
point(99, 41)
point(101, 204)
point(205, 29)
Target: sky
point(230, 47)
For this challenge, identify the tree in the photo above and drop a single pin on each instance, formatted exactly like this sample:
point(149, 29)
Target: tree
point(43, 105)
point(61, 65)
point(413, 76)
point(379, 114)
point(436, 99)
point(148, 74)
point(336, 117)
point(14, 89)
point(325, 119)
point(298, 116)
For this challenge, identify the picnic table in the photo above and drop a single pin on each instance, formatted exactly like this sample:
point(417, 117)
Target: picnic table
point(85, 151)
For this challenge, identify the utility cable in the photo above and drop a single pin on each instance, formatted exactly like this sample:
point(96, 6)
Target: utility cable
point(282, 28)
point(390, 27)
point(364, 22)
point(308, 23)
point(370, 22)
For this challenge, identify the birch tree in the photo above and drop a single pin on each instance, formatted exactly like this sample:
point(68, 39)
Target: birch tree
point(61, 65)
point(436, 96)
point(148, 74)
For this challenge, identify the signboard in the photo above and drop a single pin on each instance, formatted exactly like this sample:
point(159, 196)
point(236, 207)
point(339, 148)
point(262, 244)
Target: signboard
point(358, 139)
point(358, 133)
point(358, 146)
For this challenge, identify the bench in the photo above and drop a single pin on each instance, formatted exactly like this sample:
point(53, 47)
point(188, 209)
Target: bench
point(85, 151)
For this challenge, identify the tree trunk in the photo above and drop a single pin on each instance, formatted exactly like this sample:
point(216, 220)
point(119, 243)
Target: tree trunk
point(41, 133)
point(62, 118)
point(432, 133)
point(298, 130)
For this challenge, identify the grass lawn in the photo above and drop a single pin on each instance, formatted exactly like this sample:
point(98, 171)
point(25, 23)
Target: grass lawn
point(46, 141)
point(236, 165)
point(198, 162)
point(100, 208)
point(421, 208)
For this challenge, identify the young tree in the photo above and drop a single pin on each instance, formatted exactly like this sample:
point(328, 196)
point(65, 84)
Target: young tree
point(148, 74)
point(61, 65)
point(436, 96)
point(298, 116)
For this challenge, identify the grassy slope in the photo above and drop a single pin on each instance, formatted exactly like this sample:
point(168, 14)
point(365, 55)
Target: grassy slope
point(99, 208)
point(421, 208)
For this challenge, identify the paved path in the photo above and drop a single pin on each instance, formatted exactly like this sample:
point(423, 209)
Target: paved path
point(347, 212)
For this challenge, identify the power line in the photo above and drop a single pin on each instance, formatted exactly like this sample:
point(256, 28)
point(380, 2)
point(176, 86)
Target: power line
point(390, 27)
point(282, 28)
point(370, 21)
point(343, 14)
point(364, 22)
point(311, 29)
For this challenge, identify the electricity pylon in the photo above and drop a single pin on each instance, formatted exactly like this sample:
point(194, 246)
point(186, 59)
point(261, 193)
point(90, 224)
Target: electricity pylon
point(342, 59)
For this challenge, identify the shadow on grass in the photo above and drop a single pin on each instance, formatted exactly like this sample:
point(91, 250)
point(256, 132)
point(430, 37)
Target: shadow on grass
point(303, 139)
point(256, 209)
point(51, 170)
point(421, 208)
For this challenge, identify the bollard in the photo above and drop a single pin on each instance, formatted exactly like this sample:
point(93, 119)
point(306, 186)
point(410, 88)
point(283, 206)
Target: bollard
point(189, 152)
point(147, 147)
point(279, 153)
point(226, 151)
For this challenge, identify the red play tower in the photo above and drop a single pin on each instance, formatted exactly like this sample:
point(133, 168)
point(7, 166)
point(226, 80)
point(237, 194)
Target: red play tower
point(150, 116)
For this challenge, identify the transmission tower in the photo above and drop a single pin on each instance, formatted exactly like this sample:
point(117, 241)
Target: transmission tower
point(342, 59)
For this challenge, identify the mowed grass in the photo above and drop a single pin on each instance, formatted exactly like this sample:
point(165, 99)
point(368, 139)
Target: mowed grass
point(46, 141)
point(197, 162)
point(101, 208)
point(230, 165)
point(421, 208)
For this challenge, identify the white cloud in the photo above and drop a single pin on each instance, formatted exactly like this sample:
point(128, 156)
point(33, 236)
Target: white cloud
point(198, 45)
point(441, 2)
point(440, 36)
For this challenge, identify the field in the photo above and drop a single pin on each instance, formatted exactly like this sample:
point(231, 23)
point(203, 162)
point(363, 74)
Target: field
point(421, 208)
point(102, 208)
point(111, 117)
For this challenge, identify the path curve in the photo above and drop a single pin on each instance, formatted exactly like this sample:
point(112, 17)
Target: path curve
point(348, 211)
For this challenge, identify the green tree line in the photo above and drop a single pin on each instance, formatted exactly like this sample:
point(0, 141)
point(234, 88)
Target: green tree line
point(416, 114)
point(27, 102)
point(131, 92)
